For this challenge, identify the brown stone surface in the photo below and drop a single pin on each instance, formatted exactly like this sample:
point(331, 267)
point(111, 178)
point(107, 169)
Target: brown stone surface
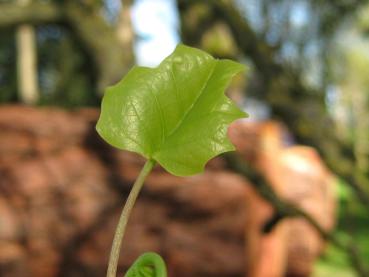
point(62, 189)
point(299, 176)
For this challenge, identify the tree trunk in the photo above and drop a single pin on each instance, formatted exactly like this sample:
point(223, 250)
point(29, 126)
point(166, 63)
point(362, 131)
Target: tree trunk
point(27, 62)
point(124, 30)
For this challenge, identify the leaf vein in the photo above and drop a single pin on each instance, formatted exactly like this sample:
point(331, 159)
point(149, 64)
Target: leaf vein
point(195, 102)
point(177, 94)
point(162, 118)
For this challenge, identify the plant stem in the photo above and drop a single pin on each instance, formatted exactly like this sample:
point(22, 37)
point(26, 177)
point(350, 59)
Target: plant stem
point(121, 227)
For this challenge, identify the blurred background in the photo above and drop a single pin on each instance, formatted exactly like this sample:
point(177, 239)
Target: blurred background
point(295, 201)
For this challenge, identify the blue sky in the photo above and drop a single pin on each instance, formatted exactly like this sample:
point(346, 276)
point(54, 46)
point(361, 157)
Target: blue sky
point(156, 24)
point(157, 27)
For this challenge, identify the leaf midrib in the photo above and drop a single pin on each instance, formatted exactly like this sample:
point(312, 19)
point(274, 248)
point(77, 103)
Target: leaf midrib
point(187, 112)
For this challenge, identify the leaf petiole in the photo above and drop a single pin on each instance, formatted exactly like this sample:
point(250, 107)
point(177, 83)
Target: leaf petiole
point(121, 227)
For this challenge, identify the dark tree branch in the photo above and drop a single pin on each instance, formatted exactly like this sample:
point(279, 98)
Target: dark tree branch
point(301, 108)
point(35, 13)
point(285, 209)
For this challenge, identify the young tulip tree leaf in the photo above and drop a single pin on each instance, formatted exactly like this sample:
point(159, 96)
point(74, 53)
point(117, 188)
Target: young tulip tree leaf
point(148, 264)
point(176, 114)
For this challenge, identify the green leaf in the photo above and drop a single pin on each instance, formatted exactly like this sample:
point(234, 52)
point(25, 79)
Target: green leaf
point(147, 265)
point(176, 114)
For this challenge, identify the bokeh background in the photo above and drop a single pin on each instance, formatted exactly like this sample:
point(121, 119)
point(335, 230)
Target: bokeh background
point(307, 83)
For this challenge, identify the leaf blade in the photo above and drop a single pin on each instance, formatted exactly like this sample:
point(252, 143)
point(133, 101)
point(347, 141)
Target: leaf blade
point(177, 113)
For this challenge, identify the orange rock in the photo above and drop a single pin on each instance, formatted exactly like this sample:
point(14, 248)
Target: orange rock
point(62, 190)
point(298, 175)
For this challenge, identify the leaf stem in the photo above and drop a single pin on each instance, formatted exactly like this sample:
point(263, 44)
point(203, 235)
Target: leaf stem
point(121, 227)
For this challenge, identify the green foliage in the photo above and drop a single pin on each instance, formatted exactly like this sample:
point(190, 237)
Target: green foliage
point(8, 77)
point(353, 222)
point(147, 265)
point(176, 114)
point(67, 82)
